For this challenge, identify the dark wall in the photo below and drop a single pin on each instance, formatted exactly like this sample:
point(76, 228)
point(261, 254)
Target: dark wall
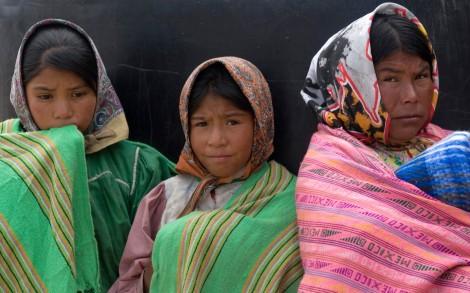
point(150, 46)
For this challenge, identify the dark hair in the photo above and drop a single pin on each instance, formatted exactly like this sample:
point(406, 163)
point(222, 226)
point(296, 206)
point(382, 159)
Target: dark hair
point(62, 48)
point(217, 80)
point(392, 33)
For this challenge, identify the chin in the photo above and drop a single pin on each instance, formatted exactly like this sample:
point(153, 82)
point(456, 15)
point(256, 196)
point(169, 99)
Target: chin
point(402, 140)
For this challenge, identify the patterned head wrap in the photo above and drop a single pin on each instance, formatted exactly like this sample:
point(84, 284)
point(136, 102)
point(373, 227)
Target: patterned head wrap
point(255, 88)
point(109, 124)
point(341, 83)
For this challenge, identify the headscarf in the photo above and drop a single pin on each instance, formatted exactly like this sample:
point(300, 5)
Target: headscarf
point(255, 88)
point(342, 86)
point(109, 123)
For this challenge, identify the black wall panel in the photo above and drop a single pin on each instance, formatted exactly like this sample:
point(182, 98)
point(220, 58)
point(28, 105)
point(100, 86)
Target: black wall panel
point(150, 46)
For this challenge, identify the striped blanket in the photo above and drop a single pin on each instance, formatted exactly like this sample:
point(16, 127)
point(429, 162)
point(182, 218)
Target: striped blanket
point(443, 170)
point(250, 245)
point(361, 229)
point(46, 231)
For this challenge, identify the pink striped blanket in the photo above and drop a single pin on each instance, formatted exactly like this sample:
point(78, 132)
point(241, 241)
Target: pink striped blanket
point(361, 229)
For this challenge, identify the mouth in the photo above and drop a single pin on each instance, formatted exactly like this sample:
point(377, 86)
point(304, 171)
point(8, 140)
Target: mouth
point(408, 117)
point(219, 158)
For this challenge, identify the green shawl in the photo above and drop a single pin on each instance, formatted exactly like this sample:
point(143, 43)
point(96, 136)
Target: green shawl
point(46, 229)
point(249, 245)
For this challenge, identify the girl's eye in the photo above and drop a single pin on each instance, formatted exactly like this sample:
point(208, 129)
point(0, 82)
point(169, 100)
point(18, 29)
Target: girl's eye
point(78, 94)
point(44, 97)
point(200, 124)
point(232, 122)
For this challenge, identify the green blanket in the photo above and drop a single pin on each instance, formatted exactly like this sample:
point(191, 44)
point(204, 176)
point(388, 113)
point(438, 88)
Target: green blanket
point(46, 229)
point(250, 245)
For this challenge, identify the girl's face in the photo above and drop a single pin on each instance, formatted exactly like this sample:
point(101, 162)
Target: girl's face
point(407, 88)
point(221, 135)
point(58, 97)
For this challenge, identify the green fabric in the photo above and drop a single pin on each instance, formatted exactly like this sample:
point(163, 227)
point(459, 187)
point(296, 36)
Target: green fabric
point(119, 176)
point(50, 233)
point(250, 245)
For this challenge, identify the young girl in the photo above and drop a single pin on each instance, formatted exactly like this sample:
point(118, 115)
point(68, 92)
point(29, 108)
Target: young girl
point(59, 80)
point(227, 221)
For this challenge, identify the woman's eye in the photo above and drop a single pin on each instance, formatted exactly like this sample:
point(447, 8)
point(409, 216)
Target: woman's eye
point(390, 79)
point(422, 76)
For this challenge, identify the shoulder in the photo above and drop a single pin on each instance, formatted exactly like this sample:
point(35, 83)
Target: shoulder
point(131, 146)
point(276, 165)
point(144, 151)
point(272, 170)
point(136, 153)
point(180, 187)
point(170, 192)
point(122, 157)
point(435, 132)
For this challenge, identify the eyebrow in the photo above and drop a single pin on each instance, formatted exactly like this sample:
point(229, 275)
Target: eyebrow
point(195, 117)
point(390, 69)
point(228, 115)
point(45, 88)
point(237, 113)
point(422, 68)
point(79, 87)
point(41, 87)
point(425, 66)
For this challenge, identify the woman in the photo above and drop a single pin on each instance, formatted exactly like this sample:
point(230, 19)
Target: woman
point(59, 80)
point(227, 221)
point(374, 85)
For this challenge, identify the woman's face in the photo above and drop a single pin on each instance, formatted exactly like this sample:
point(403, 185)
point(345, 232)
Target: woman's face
point(58, 97)
point(221, 135)
point(406, 88)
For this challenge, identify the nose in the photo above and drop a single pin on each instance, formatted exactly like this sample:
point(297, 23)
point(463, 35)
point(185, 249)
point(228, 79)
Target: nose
point(217, 137)
point(409, 93)
point(62, 110)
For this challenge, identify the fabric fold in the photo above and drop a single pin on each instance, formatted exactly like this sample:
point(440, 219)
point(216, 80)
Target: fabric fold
point(363, 229)
point(48, 242)
point(201, 251)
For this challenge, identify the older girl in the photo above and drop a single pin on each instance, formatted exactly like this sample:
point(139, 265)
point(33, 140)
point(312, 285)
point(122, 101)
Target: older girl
point(60, 80)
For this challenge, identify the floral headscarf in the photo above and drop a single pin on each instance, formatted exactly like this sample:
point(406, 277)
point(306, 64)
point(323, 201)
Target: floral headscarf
point(109, 124)
point(342, 85)
point(255, 88)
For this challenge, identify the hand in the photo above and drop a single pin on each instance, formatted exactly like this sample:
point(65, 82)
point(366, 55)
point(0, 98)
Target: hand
point(148, 271)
